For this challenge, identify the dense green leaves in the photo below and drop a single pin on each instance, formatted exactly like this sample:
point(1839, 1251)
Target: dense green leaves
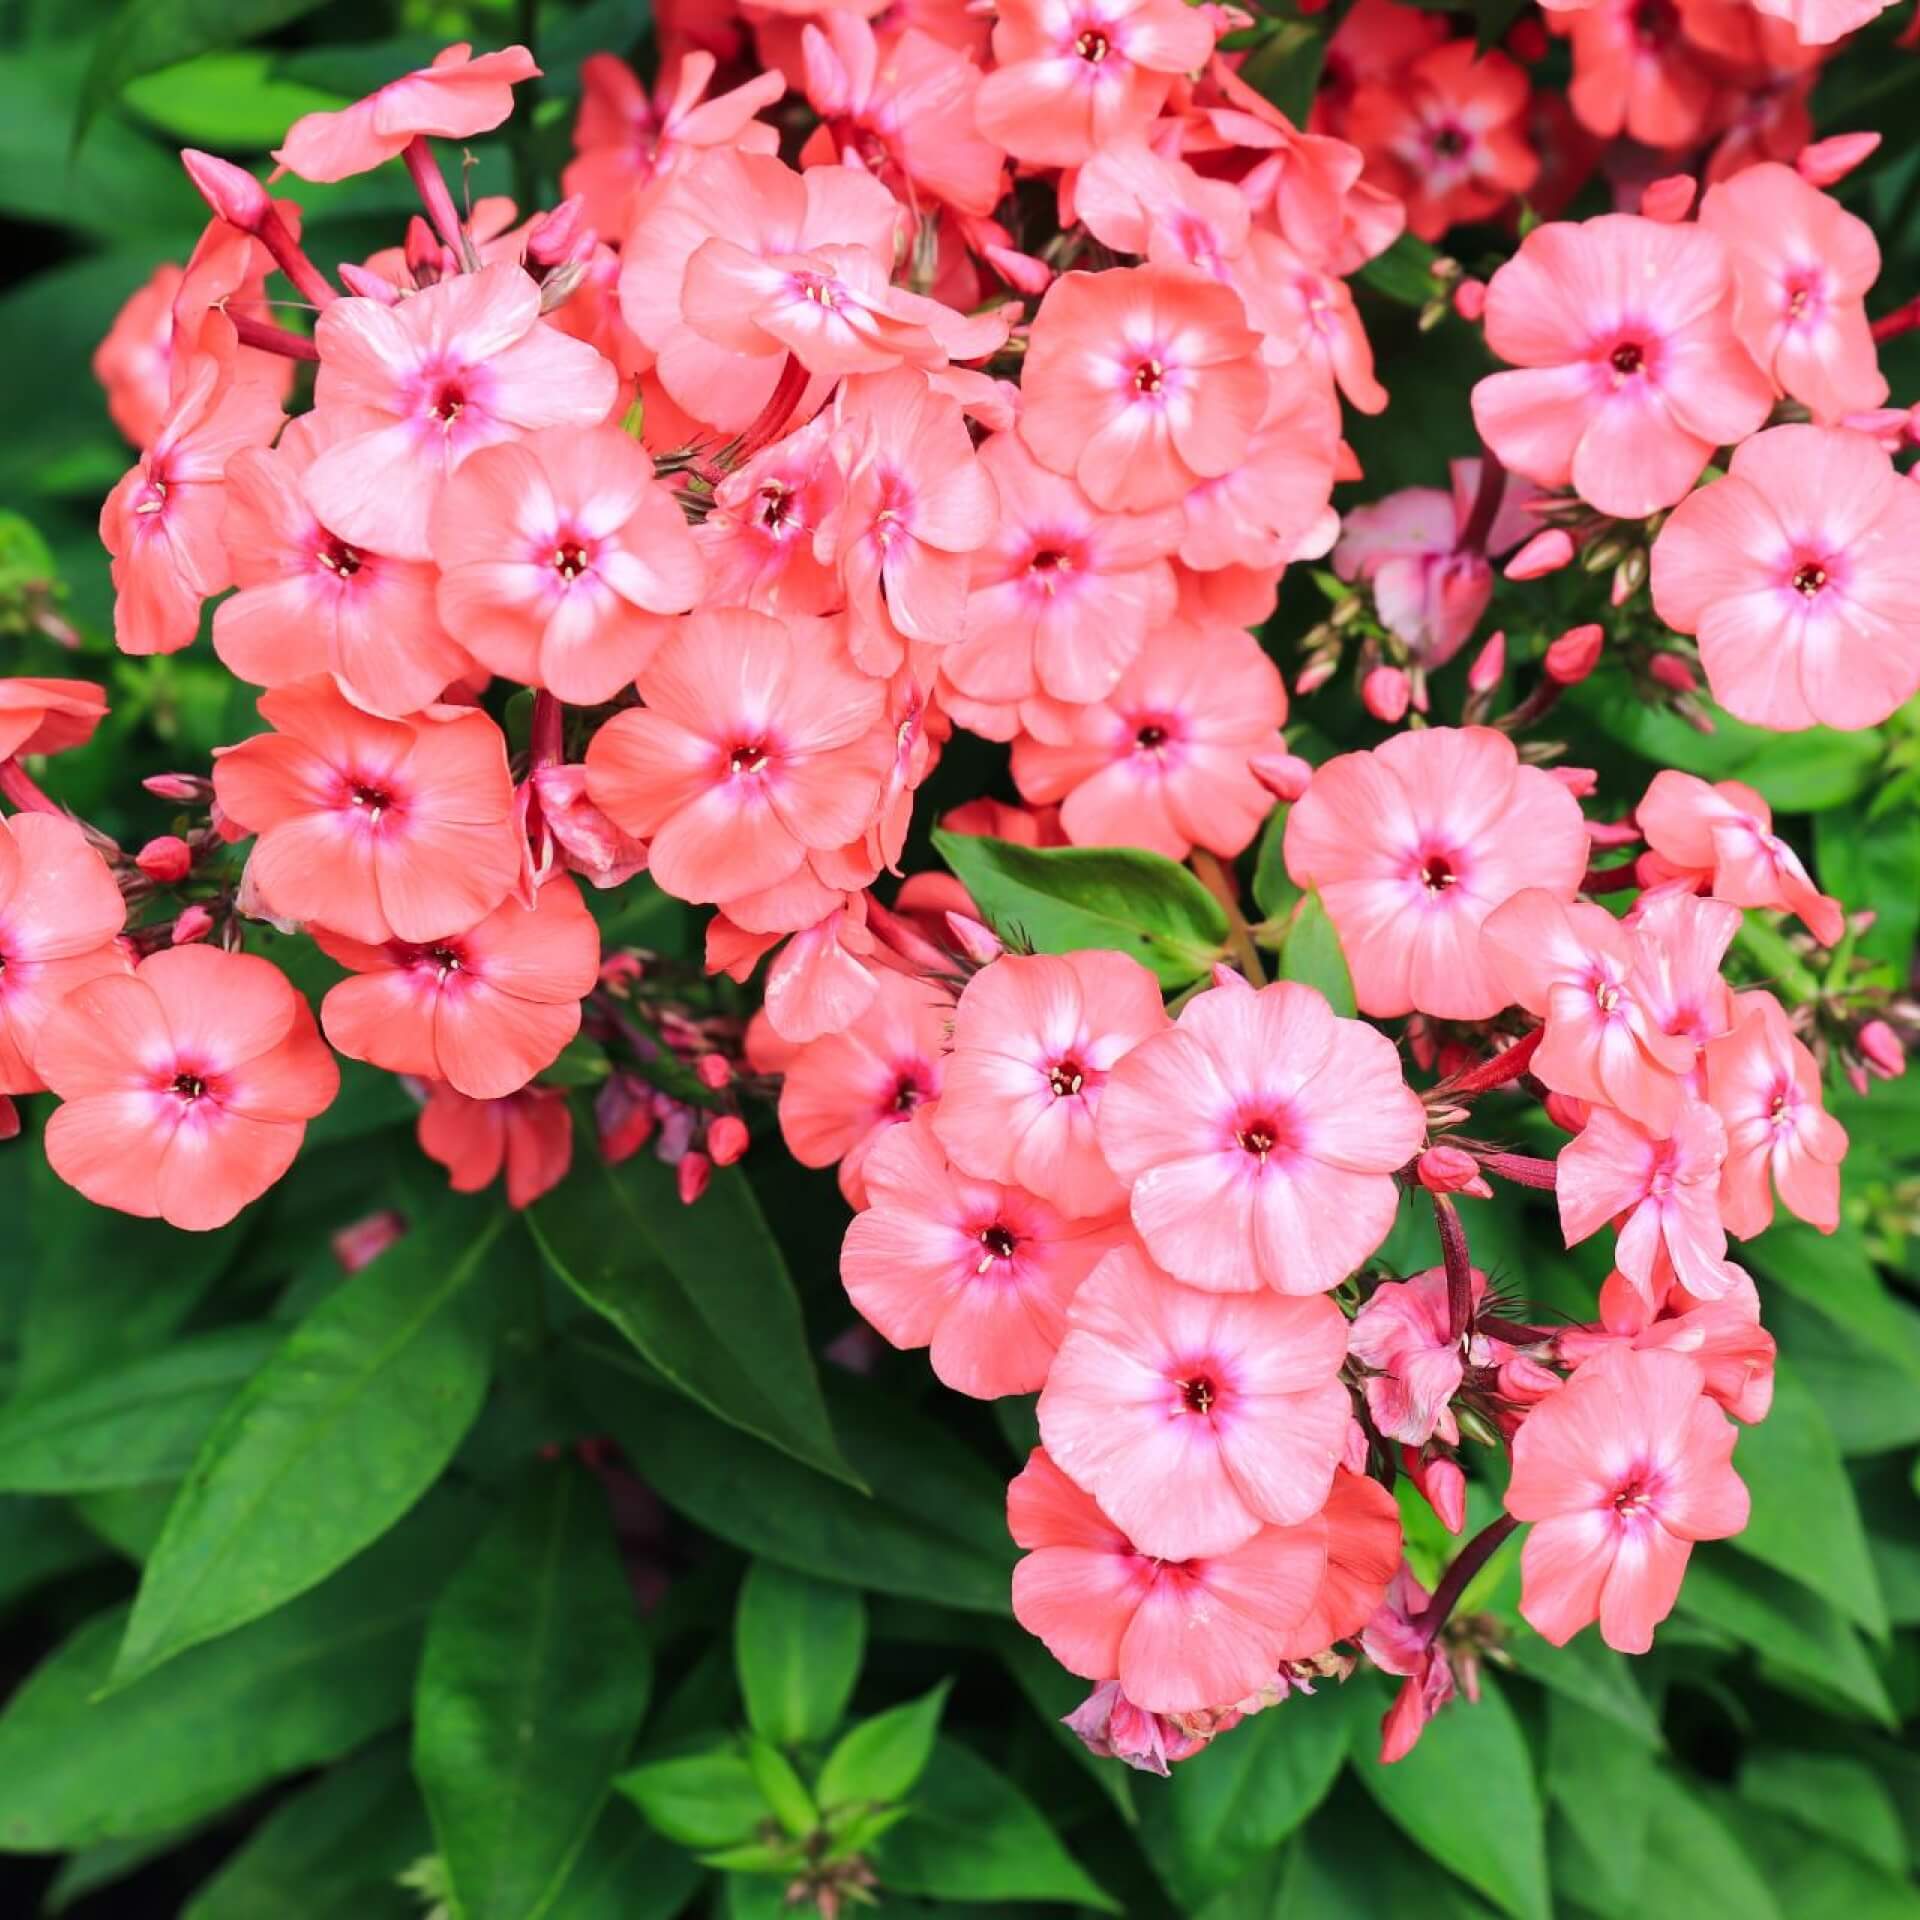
point(531, 1689)
point(704, 1294)
point(797, 1644)
point(1058, 898)
point(1313, 956)
point(330, 1442)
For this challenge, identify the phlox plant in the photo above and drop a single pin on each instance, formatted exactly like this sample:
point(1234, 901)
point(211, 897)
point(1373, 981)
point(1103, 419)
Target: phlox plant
point(847, 1005)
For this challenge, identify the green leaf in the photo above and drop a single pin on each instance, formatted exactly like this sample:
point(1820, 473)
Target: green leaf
point(295, 1690)
point(1274, 892)
point(797, 1643)
point(1694, 1866)
point(626, 1872)
point(1806, 1523)
point(879, 1760)
point(1466, 1794)
point(1600, 1782)
point(1831, 1794)
point(146, 35)
point(39, 1540)
point(227, 101)
point(1814, 1872)
point(974, 1835)
point(1313, 956)
point(1875, 863)
point(1060, 899)
point(1833, 1274)
point(1589, 1673)
point(704, 1796)
point(702, 1292)
point(332, 1852)
point(1285, 67)
point(782, 1788)
point(1053, 1693)
point(330, 1442)
point(128, 1423)
point(1404, 273)
point(534, 1679)
point(933, 1529)
point(1225, 1808)
point(1349, 1864)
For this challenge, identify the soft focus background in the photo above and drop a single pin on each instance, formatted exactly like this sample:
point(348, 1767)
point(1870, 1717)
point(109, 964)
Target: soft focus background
point(1757, 1764)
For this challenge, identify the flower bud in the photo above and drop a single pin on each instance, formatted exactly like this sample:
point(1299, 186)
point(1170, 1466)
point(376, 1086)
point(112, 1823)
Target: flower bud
point(692, 1175)
point(1284, 775)
point(1526, 1382)
point(232, 192)
point(979, 943)
point(1831, 160)
point(187, 788)
point(1566, 1113)
point(1668, 200)
point(427, 260)
point(727, 1140)
point(1880, 1048)
point(165, 860)
point(194, 924)
point(368, 286)
point(1488, 665)
point(1385, 693)
point(359, 1245)
point(623, 1116)
point(1575, 654)
point(1441, 1484)
point(1547, 552)
point(560, 235)
point(1317, 672)
point(714, 1071)
point(1581, 782)
point(1673, 673)
point(1470, 298)
point(1451, 1170)
point(1857, 1077)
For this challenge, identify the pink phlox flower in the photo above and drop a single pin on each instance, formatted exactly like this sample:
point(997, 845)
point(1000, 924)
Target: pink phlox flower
point(529, 1134)
point(758, 537)
point(1401, 1332)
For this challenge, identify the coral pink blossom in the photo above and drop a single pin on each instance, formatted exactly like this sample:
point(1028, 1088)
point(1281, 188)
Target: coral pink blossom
point(162, 522)
point(455, 98)
point(1034, 1040)
point(1800, 575)
point(917, 505)
point(378, 829)
point(559, 555)
point(1401, 1332)
point(1818, 23)
point(1062, 595)
point(1721, 836)
point(47, 716)
point(979, 1274)
point(1578, 968)
point(840, 1094)
point(529, 1133)
point(1411, 847)
point(759, 741)
point(1111, 1727)
point(59, 913)
point(458, 366)
point(1680, 942)
point(134, 363)
point(310, 602)
point(1141, 382)
point(1073, 76)
point(1165, 760)
point(1179, 1635)
point(187, 1084)
point(1396, 1643)
point(624, 137)
point(1638, 72)
point(1620, 1472)
point(1195, 1418)
point(485, 1009)
point(758, 537)
point(1363, 1549)
point(1632, 373)
point(579, 836)
point(1661, 1193)
point(1765, 1086)
point(1447, 136)
point(1259, 1138)
point(1803, 266)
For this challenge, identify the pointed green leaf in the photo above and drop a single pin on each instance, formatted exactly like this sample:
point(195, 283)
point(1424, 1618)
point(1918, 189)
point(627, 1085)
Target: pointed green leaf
point(705, 1795)
point(1313, 956)
point(879, 1760)
point(797, 1643)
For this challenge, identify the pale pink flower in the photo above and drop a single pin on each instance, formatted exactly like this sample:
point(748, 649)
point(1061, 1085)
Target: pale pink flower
point(758, 537)
point(1179, 1636)
point(1800, 575)
point(1195, 1418)
point(1396, 1643)
point(1413, 844)
point(1620, 1472)
point(1259, 1137)
point(1035, 1038)
point(1818, 23)
point(460, 365)
point(1680, 941)
point(1401, 1332)
point(1764, 1084)
point(1632, 371)
point(980, 1274)
point(1164, 761)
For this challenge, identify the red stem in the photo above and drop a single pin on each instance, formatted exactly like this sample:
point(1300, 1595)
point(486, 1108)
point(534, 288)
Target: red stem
point(1521, 1168)
point(786, 395)
point(1486, 504)
point(1453, 1251)
point(1903, 319)
point(1610, 879)
point(19, 787)
point(1507, 1065)
point(1467, 1562)
point(424, 170)
point(273, 235)
point(272, 339)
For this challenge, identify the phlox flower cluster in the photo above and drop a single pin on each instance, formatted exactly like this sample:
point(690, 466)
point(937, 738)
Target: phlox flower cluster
point(889, 375)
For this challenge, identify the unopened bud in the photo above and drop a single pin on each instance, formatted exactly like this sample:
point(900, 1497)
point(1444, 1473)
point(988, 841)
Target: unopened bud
point(1470, 298)
point(358, 1246)
point(1668, 200)
point(714, 1071)
point(560, 235)
point(727, 1140)
point(1488, 665)
point(1603, 554)
point(232, 192)
point(192, 925)
point(1831, 160)
point(1581, 782)
point(1525, 1381)
point(187, 788)
point(1284, 775)
point(1567, 1113)
point(1441, 1484)
point(1575, 654)
point(1880, 1048)
point(1673, 673)
point(1857, 1077)
point(165, 860)
point(1451, 1170)
point(979, 943)
point(1420, 1042)
point(1629, 577)
point(427, 260)
point(1385, 694)
point(692, 1175)
point(1547, 552)
point(1316, 673)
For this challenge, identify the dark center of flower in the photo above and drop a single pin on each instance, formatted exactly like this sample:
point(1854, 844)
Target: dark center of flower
point(748, 759)
point(1632, 1499)
point(1048, 560)
point(447, 404)
point(1150, 736)
point(1149, 376)
point(1093, 46)
point(570, 560)
point(337, 557)
point(1654, 21)
point(1259, 1138)
point(1628, 357)
point(1066, 1077)
point(773, 506)
point(447, 959)
point(1436, 873)
point(907, 1095)
point(1198, 1394)
point(189, 1086)
point(1809, 577)
point(375, 800)
point(999, 1243)
point(1449, 143)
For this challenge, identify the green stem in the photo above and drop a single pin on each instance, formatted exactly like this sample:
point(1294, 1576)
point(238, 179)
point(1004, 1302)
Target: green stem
point(1770, 951)
point(1219, 882)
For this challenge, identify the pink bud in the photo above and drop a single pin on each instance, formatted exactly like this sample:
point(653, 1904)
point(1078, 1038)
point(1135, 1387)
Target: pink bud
point(714, 1071)
point(232, 192)
point(1857, 1077)
point(1667, 200)
point(1488, 665)
point(1566, 1113)
point(1470, 298)
point(358, 1246)
point(1451, 1170)
point(1891, 427)
point(727, 1140)
point(1674, 673)
point(979, 943)
point(1441, 1484)
point(1547, 552)
point(1229, 977)
point(692, 1175)
point(560, 235)
point(1526, 1382)
point(369, 286)
point(185, 787)
point(1385, 693)
point(1284, 775)
point(9, 1119)
point(166, 860)
point(1828, 161)
point(194, 924)
point(1581, 782)
point(1575, 654)
point(427, 259)
point(1881, 1049)
point(1316, 673)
